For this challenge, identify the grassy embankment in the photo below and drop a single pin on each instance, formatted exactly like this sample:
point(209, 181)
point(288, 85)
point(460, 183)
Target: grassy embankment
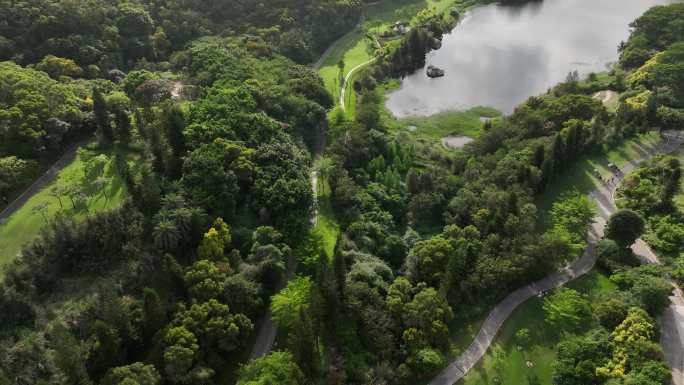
point(26, 223)
point(431, 129)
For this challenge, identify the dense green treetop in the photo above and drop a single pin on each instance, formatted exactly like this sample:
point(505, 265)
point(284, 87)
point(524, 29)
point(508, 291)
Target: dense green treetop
point(36, 112)
point(102, 35)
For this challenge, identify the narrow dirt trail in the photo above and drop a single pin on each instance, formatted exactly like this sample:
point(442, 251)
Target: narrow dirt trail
point(349, 75)
point(603, 195)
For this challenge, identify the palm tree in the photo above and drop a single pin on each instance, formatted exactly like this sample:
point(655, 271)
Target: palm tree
point(173, 201)
point(166, 235)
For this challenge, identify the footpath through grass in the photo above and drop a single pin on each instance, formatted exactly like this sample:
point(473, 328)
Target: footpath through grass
point(516, 364)
point(354, 50)
point(72, 188)
point(327, 229)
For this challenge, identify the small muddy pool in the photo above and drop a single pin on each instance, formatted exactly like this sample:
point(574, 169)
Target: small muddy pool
point(456, 141)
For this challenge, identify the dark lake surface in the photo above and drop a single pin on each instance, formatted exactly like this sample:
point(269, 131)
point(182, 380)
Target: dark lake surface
point(498, 56)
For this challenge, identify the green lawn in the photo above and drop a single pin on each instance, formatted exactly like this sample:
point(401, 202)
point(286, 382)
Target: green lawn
point(354, 50)
point(462, 332)
point(679, 198)
point(581, 175)
point(26, 223)
point(327, 229)
point(508, 361)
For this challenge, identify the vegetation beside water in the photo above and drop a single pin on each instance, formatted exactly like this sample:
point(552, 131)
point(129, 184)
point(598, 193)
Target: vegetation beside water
point(412, 243)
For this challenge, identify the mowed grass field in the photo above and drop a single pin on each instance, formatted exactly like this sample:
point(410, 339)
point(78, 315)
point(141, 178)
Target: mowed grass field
point(354, 50)
point(516, 364)
point(26, 223)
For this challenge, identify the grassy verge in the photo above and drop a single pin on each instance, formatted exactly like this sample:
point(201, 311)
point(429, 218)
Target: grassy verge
point(517, 364)
point(27, 222)
point(462, 332)
point(327, 229)
point(679, 198)
point(581, 176)
point(353, 49)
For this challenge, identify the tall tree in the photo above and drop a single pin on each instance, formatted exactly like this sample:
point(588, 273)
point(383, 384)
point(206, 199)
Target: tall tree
point(276, 368)
point(558, 153)
point(158, 149)
point(134, 374)
point(123, 126)
point(107, 349)
point(69, 358)
point(102, 117)
point(624, 227)
point(154, 316)
point(174, 125)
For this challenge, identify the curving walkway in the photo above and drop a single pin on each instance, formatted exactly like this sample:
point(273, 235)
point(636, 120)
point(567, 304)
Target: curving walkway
point(603, 196)
point(349, 75)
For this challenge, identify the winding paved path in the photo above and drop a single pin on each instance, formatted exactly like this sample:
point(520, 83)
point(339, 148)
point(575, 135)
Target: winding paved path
point(603, 196)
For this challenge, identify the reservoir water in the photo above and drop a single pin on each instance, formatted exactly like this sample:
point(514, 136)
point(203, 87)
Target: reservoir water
point(498, 55)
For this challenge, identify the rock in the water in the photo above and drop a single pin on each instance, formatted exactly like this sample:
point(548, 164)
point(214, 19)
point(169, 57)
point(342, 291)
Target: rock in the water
point(436, 44)
point(434, 72)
